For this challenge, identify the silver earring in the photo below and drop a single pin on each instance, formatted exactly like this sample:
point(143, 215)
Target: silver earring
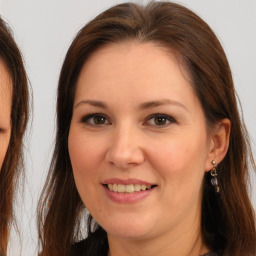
point(214, 179)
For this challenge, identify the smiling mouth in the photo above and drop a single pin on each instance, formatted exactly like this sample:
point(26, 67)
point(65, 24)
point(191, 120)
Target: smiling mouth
point(130, 188)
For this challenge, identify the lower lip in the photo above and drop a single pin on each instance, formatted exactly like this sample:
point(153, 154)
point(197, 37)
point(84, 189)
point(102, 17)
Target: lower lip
point(128, 198)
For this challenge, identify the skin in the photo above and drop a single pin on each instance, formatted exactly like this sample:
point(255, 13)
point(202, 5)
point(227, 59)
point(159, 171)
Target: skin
point(129, 143)
point(5, 110)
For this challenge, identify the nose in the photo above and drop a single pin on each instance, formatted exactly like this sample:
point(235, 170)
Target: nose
point(125, 150)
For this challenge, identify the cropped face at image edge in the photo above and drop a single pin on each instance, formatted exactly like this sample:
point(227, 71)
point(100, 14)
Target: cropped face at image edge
point(5, 110)
point(138, 142)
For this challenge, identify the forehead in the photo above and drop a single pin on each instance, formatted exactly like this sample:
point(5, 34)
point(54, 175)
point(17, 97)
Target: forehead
point(132, 65)
point(114, 54)
point(5, 87)
point(5, 78)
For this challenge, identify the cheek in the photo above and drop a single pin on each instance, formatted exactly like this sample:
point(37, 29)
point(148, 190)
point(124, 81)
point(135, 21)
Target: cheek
point(179, 165)
point(180, 160)
point(86, 157)
point(84, 153)
point(4, 142)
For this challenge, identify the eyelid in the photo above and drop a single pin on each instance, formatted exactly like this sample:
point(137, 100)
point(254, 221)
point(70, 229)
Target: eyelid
point(167, 117)
point(85, 118)
point(2, 130)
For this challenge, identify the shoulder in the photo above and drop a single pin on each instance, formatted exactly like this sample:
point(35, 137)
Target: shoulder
point(79, 249)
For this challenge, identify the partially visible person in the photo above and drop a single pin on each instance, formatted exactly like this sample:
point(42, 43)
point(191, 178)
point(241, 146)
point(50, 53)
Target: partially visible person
point(149, 142)
point(14, 114)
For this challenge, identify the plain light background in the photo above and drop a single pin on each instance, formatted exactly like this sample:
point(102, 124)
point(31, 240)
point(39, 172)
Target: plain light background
point(44, 30)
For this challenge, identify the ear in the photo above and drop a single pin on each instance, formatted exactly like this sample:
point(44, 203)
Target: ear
point(219, 142)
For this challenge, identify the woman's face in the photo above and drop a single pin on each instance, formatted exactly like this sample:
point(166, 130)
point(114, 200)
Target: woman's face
point(5, 110)
point(138, 142)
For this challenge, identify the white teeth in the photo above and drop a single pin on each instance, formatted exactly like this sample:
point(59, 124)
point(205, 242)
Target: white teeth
point(137, 187)
point(115, 187)
point(143, 187)
point(121, 188)
point(129, 188)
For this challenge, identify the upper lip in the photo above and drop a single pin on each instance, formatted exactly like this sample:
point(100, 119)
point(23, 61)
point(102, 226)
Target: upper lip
point(126, 181)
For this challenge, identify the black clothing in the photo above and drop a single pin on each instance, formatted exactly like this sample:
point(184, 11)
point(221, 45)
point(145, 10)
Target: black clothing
point(80, 248)
point(92, 247)
point(95, 245)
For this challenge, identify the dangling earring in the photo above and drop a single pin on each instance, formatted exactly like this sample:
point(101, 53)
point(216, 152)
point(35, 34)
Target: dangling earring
point(214, 179)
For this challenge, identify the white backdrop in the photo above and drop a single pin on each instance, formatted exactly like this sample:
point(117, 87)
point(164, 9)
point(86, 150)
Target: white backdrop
point(45, 28)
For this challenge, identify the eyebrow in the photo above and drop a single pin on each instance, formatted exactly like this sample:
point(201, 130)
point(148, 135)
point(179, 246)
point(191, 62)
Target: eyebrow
point(153, 104)
point(95, 103)
point(144, 105)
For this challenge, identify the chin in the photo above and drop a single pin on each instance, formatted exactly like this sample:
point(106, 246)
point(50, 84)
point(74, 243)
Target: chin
point(128, 230)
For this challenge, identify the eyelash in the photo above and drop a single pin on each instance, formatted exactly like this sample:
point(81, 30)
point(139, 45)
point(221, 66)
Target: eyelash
point(165, 117)
point(87, 118)
point(91, 117)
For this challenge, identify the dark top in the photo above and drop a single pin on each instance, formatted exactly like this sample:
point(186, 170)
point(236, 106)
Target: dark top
point(80, 248)
point(97, 245)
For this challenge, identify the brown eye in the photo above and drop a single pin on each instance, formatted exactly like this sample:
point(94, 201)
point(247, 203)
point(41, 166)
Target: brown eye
point(160, 120)
point(95, 119)
point(99, 120)
point(2, 130)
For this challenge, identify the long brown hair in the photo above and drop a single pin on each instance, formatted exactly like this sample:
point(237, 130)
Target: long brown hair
point(228, 220)
point(13, 161)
